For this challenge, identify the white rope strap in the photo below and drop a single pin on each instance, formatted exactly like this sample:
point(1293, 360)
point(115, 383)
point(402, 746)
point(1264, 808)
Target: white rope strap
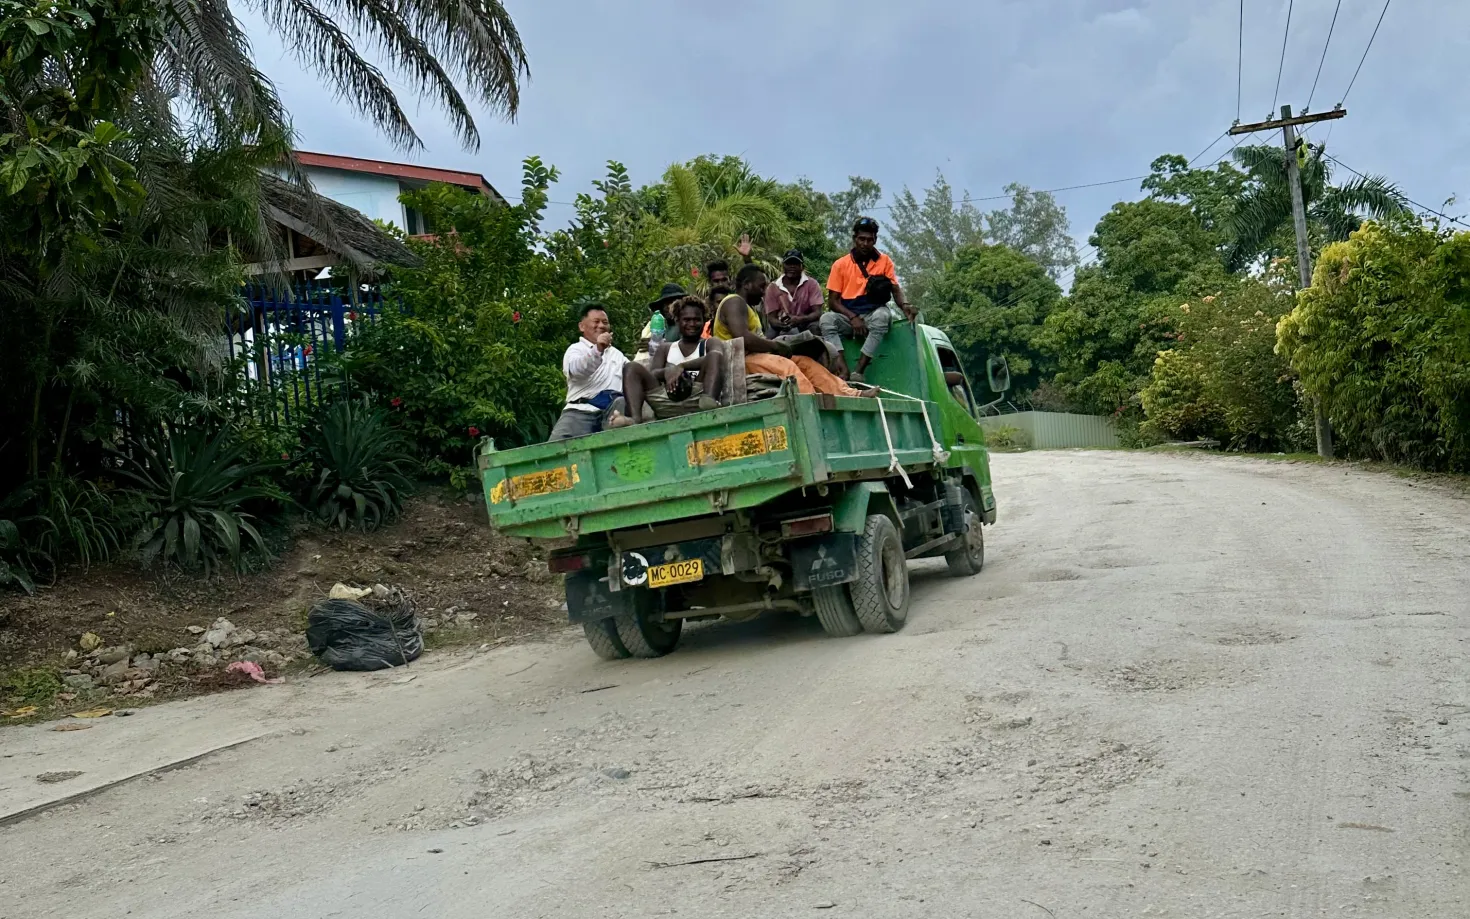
point(893, 464)
point(941, 455)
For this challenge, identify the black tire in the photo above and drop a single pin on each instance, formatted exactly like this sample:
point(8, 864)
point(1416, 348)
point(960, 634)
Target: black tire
point(834, 612)
point(967, 560)
point(643, 634)
point(602, 636)
point(880, 595)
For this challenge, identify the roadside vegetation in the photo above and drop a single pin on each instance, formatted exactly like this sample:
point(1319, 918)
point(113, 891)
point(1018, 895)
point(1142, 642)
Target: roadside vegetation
point(131, 200)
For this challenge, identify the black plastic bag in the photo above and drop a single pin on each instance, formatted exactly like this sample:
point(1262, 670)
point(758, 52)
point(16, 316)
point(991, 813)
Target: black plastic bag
point(350, 636)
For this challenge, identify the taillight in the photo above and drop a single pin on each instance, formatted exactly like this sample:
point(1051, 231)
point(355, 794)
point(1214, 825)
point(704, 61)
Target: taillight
point(563, 564)
point(807, 526)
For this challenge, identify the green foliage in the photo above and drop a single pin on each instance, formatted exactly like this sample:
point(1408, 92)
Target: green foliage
point(1007, 438)
point(993, 300)
point(1211, 194)
point(1224, 379)
point(1260, 223)
point(856, 200)
point(33, 685)
point(923, 237)
point(195, 485)
point(13, 558)
point(1383, 338)
point(477, 345)
point(364, 464)
point(1035, 226)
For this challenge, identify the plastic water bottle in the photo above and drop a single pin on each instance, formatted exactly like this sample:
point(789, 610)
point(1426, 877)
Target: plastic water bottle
point(656, 325)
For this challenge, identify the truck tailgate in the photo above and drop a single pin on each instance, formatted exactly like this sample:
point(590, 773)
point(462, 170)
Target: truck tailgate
point(737, 456)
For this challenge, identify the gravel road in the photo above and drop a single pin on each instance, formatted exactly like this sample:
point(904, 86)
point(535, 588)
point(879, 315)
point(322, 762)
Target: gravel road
point(1182, 687)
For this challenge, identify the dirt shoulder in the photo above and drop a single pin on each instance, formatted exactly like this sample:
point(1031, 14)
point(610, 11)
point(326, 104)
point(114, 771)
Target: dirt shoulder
point(155, 632)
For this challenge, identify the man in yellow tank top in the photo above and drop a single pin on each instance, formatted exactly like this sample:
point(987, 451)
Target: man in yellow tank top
point(736, 318)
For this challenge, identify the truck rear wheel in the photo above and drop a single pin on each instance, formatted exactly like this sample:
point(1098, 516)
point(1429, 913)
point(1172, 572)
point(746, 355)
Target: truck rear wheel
point(834, 612)
point(602, 636)
point(642, 633)
point(969, 558)
point(880, 595)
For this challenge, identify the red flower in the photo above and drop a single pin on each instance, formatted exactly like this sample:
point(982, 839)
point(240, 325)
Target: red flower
point(395, 401)
point(285, 456)
point(694, 272)
point(474, 431)
point(352, 314)
point(309, 348)
point(516, 316)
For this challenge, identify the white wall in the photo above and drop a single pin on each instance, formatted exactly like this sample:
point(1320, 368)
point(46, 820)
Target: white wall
point(373, 195)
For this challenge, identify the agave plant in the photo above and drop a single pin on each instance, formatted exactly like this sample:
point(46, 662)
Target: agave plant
point(364, 464)
point(194, 484)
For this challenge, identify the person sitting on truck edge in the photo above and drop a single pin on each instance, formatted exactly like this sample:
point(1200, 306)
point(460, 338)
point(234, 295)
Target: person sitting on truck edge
point(685, 375)
point(794, 300)
point(594, 372)
point(667, 297)
point(736, 318)
point(850, 313)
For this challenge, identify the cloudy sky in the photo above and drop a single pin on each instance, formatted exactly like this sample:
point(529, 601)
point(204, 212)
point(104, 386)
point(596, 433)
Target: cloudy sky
point(1049, 93)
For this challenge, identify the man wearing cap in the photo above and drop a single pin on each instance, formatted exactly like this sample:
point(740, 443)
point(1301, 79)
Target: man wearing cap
point(794, 302)
point(850, 313)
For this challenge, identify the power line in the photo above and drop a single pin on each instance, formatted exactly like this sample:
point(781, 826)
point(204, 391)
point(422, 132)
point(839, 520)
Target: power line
point(1210, 147)
point(1366, 50)
point(1282, 66)
point(1325, 46)
point(1239, 59)
point(1423, 207)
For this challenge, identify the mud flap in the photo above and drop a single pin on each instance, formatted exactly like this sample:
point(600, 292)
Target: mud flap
point(588, 599)
point(825, 561)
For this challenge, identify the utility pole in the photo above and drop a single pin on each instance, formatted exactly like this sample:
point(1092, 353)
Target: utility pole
point(1289, 141)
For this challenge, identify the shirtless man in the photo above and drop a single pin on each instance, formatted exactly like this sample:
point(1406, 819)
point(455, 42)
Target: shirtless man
point(683, 376)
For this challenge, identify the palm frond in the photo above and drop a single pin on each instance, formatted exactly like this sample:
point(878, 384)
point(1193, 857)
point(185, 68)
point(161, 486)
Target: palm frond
point(322, 46)
point(1257, 217)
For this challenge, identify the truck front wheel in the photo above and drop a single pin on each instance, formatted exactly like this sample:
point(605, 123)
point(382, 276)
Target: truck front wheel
point(969, 558)
point(640, 629)
point(880, 595)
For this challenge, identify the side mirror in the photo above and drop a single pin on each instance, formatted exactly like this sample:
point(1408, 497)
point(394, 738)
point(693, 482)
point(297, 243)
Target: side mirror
point(999, 373)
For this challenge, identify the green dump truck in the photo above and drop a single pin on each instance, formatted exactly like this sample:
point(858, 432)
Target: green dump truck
point(810, 504)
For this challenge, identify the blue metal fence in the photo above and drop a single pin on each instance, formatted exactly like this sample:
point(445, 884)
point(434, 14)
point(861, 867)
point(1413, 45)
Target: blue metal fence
point(281, 338)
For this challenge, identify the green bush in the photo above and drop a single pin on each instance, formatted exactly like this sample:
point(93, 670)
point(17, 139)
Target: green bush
point(364, 466)
point(1006, 437)
point(1383, 338)
point(14, 558)
point(35, 685)
point(1223, 379)
point(194, 485)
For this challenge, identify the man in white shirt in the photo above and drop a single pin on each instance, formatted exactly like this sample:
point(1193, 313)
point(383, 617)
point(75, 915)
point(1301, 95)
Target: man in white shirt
point(594, 372)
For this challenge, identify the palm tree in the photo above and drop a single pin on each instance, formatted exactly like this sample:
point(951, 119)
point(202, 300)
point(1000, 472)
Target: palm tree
point(450, 51)
point(1261, 222)
point(708, 204)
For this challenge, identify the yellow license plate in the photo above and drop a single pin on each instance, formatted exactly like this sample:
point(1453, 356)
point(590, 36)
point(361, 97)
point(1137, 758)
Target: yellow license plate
point(676, 573)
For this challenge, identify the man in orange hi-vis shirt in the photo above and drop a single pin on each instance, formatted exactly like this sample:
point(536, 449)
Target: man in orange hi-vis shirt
point(850, 312)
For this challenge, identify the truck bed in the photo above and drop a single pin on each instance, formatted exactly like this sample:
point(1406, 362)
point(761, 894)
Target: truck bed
point(732, 457)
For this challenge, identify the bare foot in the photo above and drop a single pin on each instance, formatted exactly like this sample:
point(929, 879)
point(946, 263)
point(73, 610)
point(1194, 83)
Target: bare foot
point(619, 420)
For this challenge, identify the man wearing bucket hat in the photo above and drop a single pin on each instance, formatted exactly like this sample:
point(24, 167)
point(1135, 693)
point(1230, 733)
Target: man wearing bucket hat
point(670, 294)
